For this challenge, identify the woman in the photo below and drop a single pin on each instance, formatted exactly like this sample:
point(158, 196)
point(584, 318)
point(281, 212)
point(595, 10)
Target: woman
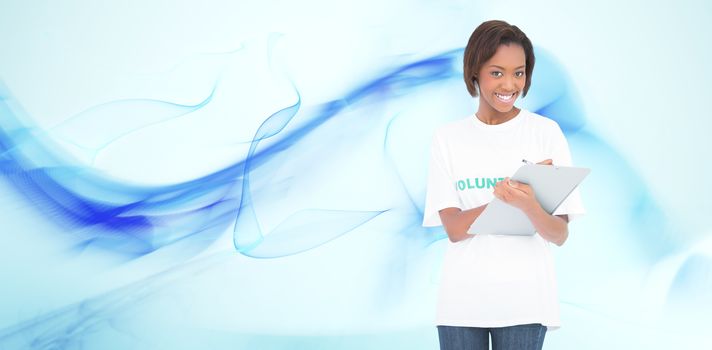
point(496, 285)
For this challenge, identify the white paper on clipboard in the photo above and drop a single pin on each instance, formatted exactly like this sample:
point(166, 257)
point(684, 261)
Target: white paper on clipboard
point(551, 184)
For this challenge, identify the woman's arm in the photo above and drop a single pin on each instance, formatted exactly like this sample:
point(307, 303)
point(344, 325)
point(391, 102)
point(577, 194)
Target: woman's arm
point(457, 221)
point(552, 228)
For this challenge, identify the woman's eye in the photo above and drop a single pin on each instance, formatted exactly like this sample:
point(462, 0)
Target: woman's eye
point(496, 74)
point(519, 74)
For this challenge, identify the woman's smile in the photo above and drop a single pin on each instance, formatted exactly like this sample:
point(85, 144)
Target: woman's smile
point(506, 97)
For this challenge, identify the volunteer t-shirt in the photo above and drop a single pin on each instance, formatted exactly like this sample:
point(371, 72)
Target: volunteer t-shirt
point(494, 280)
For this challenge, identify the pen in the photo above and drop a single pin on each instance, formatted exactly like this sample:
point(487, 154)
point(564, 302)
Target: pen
point(527, 162)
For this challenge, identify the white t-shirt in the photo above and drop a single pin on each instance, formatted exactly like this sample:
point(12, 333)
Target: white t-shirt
point(494, 280)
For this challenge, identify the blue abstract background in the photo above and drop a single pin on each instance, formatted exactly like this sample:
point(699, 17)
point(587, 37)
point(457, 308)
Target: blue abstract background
point(251, 174)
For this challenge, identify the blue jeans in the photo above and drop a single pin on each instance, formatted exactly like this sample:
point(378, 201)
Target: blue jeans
point(521, 337)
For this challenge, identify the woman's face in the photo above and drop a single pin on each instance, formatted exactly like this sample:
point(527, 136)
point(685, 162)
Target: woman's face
point(501, 79)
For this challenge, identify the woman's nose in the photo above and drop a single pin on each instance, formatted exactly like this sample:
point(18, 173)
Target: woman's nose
point(508, 83)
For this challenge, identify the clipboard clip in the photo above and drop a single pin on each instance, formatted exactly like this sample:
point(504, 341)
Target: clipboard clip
point(531, 163)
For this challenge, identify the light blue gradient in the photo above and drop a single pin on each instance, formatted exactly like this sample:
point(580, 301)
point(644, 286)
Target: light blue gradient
point(195, 180)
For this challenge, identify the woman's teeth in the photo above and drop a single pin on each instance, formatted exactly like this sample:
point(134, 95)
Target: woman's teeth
point(505, 98)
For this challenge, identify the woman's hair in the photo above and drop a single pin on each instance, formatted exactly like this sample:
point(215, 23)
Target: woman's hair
point(483, 44)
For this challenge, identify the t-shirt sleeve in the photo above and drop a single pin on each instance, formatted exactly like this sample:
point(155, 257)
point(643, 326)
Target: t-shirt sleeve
point(440, 192)
point(572, 205)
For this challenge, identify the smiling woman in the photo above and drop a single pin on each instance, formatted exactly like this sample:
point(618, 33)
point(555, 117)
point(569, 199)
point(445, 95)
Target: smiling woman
point(501, 80)
point(499, 61)
point(496, 286)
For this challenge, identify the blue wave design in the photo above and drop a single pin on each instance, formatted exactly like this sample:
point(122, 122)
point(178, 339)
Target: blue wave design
point(113, 120)
point(102, 212)
point(137, 220)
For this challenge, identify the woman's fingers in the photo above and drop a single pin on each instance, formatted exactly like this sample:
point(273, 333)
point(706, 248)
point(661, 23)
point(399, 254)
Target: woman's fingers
point(507, 190)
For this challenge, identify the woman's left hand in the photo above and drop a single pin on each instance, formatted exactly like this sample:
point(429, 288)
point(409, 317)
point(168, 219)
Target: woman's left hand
point(515, 193)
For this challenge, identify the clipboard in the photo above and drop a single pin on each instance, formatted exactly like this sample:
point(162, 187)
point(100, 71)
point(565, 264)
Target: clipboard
point(551, 184)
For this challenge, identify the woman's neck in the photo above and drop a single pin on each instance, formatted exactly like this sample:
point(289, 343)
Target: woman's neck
point(490, 116)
